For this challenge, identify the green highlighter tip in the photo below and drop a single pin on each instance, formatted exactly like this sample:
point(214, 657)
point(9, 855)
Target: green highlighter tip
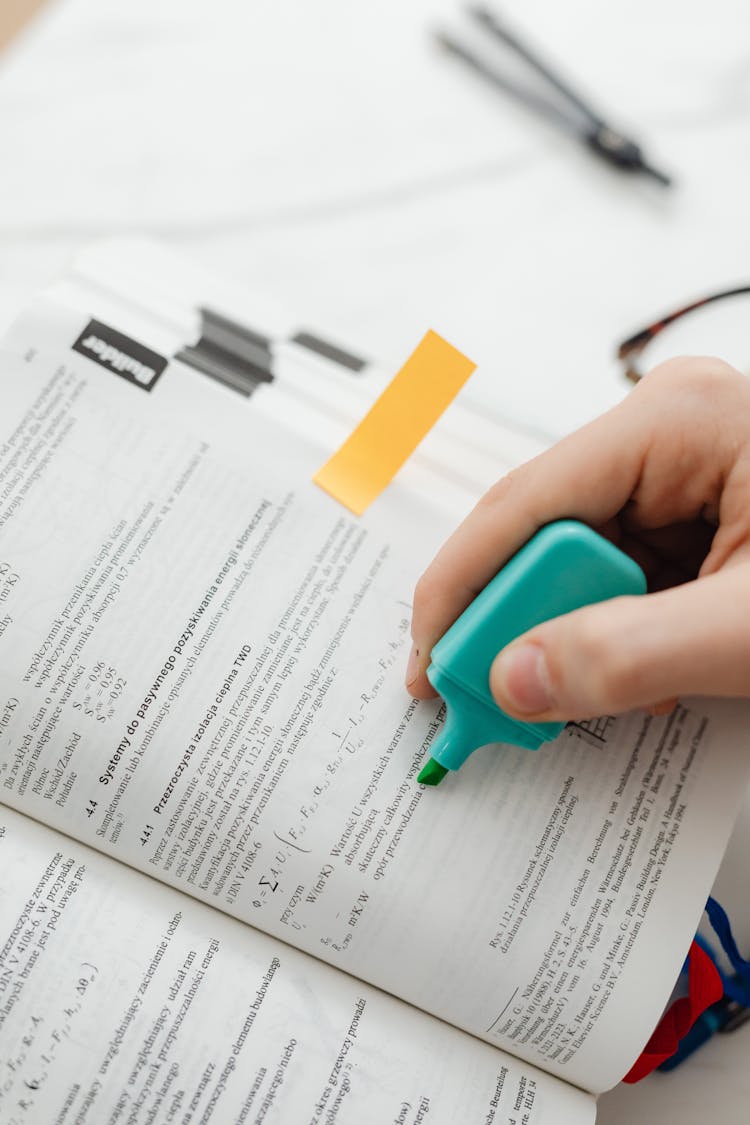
point(432, 773)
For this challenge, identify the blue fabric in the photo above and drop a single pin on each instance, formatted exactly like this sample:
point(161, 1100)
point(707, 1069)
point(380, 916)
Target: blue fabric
point(736, 986)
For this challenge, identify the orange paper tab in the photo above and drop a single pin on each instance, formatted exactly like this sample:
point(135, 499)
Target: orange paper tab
point(394, 426)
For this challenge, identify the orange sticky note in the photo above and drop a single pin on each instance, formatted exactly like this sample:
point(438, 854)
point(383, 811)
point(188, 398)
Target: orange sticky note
point(394, 426)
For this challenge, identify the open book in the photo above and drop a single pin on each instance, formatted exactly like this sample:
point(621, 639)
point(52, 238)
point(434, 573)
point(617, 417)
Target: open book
point(223, 895)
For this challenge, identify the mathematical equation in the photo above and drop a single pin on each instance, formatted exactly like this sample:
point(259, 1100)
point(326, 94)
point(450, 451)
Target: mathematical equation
point(101, 689)
point(25, 1071)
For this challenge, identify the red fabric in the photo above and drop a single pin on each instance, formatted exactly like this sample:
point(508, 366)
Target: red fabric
point(704, 989)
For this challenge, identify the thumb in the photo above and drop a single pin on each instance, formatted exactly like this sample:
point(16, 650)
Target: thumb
point(631, 652)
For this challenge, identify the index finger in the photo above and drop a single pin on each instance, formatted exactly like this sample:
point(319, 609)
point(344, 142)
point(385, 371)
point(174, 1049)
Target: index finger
point(589, 476)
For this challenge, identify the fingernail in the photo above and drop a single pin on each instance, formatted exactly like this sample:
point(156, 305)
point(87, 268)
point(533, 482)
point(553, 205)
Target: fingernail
point(412, 666)
point(523, 678)
point(665, 707)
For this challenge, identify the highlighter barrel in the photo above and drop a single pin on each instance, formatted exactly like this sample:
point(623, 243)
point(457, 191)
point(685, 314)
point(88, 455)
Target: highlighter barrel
point(564, 567)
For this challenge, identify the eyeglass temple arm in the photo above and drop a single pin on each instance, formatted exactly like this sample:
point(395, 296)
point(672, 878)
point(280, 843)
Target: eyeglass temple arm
point(630, 349)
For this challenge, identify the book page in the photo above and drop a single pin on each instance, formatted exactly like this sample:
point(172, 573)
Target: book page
point(203, 659)
point(121, 1001)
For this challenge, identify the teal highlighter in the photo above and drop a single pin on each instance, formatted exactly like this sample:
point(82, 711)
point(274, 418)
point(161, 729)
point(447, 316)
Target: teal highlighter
point(565, 566)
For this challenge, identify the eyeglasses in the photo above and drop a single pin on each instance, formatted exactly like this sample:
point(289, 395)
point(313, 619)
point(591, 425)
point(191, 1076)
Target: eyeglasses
point(715, 325)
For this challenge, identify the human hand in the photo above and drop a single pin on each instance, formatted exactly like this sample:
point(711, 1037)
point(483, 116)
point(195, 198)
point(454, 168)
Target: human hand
point(666, 476)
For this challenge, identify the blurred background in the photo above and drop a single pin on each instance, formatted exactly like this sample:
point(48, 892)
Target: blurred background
point(332, 156)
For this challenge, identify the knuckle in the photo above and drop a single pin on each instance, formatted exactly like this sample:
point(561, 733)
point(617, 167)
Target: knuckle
point(498, 492)
point(688, 389)
point(699, 376)
point(425, 595)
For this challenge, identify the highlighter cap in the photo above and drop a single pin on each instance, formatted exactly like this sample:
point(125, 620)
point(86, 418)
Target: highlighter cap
point(564, 567)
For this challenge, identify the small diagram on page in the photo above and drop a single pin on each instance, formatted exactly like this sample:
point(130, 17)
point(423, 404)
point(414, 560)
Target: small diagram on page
point(593, 731)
